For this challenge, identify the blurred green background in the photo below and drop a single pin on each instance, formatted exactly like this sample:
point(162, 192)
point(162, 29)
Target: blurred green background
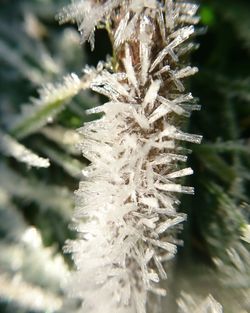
point(36, 204)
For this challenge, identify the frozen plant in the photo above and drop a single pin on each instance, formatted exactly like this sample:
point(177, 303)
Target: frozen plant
point(126, 205)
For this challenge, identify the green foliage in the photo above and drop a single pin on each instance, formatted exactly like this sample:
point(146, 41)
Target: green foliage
point(220, 208)
point(36, 205)
point(207, 15)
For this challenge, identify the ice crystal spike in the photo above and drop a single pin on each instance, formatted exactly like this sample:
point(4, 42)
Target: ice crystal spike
point(128, 197)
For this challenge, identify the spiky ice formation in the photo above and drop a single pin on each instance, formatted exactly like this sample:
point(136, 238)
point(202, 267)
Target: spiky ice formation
point(126, 205)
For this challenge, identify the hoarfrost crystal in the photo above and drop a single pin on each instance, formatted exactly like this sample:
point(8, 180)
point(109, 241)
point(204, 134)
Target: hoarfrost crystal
point(126, 205)
point(187, 304)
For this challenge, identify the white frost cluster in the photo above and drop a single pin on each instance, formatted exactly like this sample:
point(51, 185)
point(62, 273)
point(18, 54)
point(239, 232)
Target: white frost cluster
point(31, 297)
point(126, 205)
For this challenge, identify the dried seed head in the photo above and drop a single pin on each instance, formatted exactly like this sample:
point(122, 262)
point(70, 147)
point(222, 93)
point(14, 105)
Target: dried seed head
point(128, 197)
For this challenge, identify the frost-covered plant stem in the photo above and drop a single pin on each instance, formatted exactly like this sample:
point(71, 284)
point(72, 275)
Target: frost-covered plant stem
point(126, 205)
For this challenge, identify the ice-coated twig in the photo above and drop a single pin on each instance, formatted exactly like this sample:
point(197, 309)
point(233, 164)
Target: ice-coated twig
point(128, 197)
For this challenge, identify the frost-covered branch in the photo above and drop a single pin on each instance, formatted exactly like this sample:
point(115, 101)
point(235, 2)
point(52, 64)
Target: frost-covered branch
point(129, 196)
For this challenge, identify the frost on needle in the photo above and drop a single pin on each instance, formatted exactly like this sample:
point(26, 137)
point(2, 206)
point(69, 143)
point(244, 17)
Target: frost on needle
point(126, 205)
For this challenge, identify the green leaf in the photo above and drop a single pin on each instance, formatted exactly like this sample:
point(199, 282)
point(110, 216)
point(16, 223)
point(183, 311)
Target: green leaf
point(207, 15)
